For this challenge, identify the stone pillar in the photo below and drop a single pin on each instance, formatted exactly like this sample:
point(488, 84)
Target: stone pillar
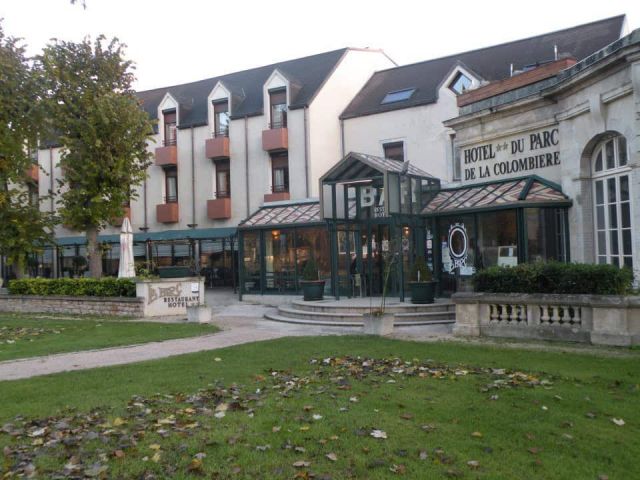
point(467, 316)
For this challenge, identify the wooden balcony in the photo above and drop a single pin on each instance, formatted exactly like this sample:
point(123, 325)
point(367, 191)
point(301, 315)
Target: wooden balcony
point(168, 212)
point(167, 156)
point(217, 148)
point(276, 197)
point(117, 222)
point(33, 173)
point(275, 139)
point(219, 208)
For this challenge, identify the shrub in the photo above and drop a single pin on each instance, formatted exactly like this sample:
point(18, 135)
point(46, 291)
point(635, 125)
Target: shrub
point(555, 277)
point(78, 287)
point(420, 266)
point(310, 271)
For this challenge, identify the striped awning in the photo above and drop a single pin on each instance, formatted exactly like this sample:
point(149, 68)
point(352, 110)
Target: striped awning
point(531, 191)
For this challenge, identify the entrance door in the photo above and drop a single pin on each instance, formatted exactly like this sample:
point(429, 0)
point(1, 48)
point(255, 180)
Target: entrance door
point(375, 245)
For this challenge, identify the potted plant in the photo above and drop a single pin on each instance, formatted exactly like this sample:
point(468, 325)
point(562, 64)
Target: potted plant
point(378, 321)
point(312, 286)
point(422, 285)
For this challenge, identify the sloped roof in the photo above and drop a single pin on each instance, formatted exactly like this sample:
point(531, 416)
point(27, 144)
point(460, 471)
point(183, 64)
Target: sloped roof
point(278, 215)
point(490, 64)
point(529, 191)
point(361, 165)
point(306, 74)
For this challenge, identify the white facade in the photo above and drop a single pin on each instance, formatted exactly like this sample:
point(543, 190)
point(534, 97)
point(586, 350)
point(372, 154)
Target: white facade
point(593, 104)
point(313, 145)
point(427, 142)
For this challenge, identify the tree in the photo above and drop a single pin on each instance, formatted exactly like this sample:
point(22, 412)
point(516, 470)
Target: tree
point(96, 117)
point(24, 229)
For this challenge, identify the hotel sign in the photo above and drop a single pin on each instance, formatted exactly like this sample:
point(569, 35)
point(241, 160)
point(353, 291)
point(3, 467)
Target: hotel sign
point(532, 153)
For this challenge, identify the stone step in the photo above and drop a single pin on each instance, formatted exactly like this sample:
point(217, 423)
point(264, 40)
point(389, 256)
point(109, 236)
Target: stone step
point(288, 311)
point(325, 321)
point(279, 318)
point(330, 306)
point(420, 316)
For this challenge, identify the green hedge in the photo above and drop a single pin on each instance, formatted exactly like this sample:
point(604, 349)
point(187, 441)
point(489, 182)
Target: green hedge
point(78, 287)
point(555, 277)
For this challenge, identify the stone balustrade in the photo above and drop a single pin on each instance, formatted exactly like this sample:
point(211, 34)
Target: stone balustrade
point(598, 319)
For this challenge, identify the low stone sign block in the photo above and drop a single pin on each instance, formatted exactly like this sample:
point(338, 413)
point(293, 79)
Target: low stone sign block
point(170, 296)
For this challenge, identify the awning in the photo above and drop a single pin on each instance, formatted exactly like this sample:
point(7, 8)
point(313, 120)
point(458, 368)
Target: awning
point(285, 214)
point(165, 235)
point(531, 191)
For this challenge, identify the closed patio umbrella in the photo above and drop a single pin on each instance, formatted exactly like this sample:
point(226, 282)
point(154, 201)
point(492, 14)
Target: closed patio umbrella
point(126, 269)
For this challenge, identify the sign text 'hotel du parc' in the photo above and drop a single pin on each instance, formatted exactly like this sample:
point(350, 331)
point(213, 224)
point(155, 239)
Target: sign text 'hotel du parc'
point(526, 154)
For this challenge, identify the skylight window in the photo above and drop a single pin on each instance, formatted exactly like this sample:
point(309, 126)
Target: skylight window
point(460, 83)
point(398, 96)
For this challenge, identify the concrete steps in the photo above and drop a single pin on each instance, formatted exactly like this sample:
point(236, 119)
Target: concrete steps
point(349, 313)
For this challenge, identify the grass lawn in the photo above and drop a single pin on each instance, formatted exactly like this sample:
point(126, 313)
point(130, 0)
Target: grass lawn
point(31, 335)
point(309, 408)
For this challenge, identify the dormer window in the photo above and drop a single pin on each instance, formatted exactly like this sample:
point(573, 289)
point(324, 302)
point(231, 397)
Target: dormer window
point(170, 132)
point(460, 83)
point(278, 102)
point(221, 118)
point(398, 96)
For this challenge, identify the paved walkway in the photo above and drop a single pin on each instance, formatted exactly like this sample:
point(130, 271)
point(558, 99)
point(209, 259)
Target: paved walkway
point(240, 323)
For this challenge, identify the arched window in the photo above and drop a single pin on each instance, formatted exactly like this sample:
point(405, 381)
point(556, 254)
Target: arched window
point(611, 187)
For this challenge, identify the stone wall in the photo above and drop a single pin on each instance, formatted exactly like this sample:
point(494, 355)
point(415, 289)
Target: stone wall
point(117, 306)
point(598, 319)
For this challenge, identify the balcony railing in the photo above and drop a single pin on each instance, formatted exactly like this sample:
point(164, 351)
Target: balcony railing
point(282, 123)
point(170, 199)
point(221, 132)
point(223, 194)
point(280, 188)
point(170, 142)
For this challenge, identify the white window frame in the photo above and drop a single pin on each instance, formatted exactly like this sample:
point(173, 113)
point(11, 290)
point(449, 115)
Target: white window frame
point(604, 175)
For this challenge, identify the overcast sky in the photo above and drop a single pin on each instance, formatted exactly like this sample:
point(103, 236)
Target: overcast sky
point(180, 41)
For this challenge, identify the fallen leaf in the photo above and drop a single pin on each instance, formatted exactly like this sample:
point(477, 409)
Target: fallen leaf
point(473, 464)
point(379, 434)
point(195, 465)
point(332, 456)
point(301, 464)
point(618, 421)
point(156, 457)
point(476, 434)
point(276, 429)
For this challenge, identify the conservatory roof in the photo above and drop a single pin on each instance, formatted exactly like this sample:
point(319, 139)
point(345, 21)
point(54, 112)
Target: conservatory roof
point(531, 191)
point(281, 214)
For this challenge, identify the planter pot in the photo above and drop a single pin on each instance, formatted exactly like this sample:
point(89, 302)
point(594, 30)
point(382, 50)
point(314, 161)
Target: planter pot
point(199, 314)
point(312, 289)
point(422, 292)
point(175, 272)
point(378, 324)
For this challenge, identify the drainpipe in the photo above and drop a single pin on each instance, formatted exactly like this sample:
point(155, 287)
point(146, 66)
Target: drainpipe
point(193, 183)
point(54, 252)
point(306, 152)
point(144, 200)
point(342, 137)
point(246, 163)
point(52, 178)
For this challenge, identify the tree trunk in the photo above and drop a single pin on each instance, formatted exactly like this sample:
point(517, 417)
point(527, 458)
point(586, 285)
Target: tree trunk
point(18, 269)
point(94, 253)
